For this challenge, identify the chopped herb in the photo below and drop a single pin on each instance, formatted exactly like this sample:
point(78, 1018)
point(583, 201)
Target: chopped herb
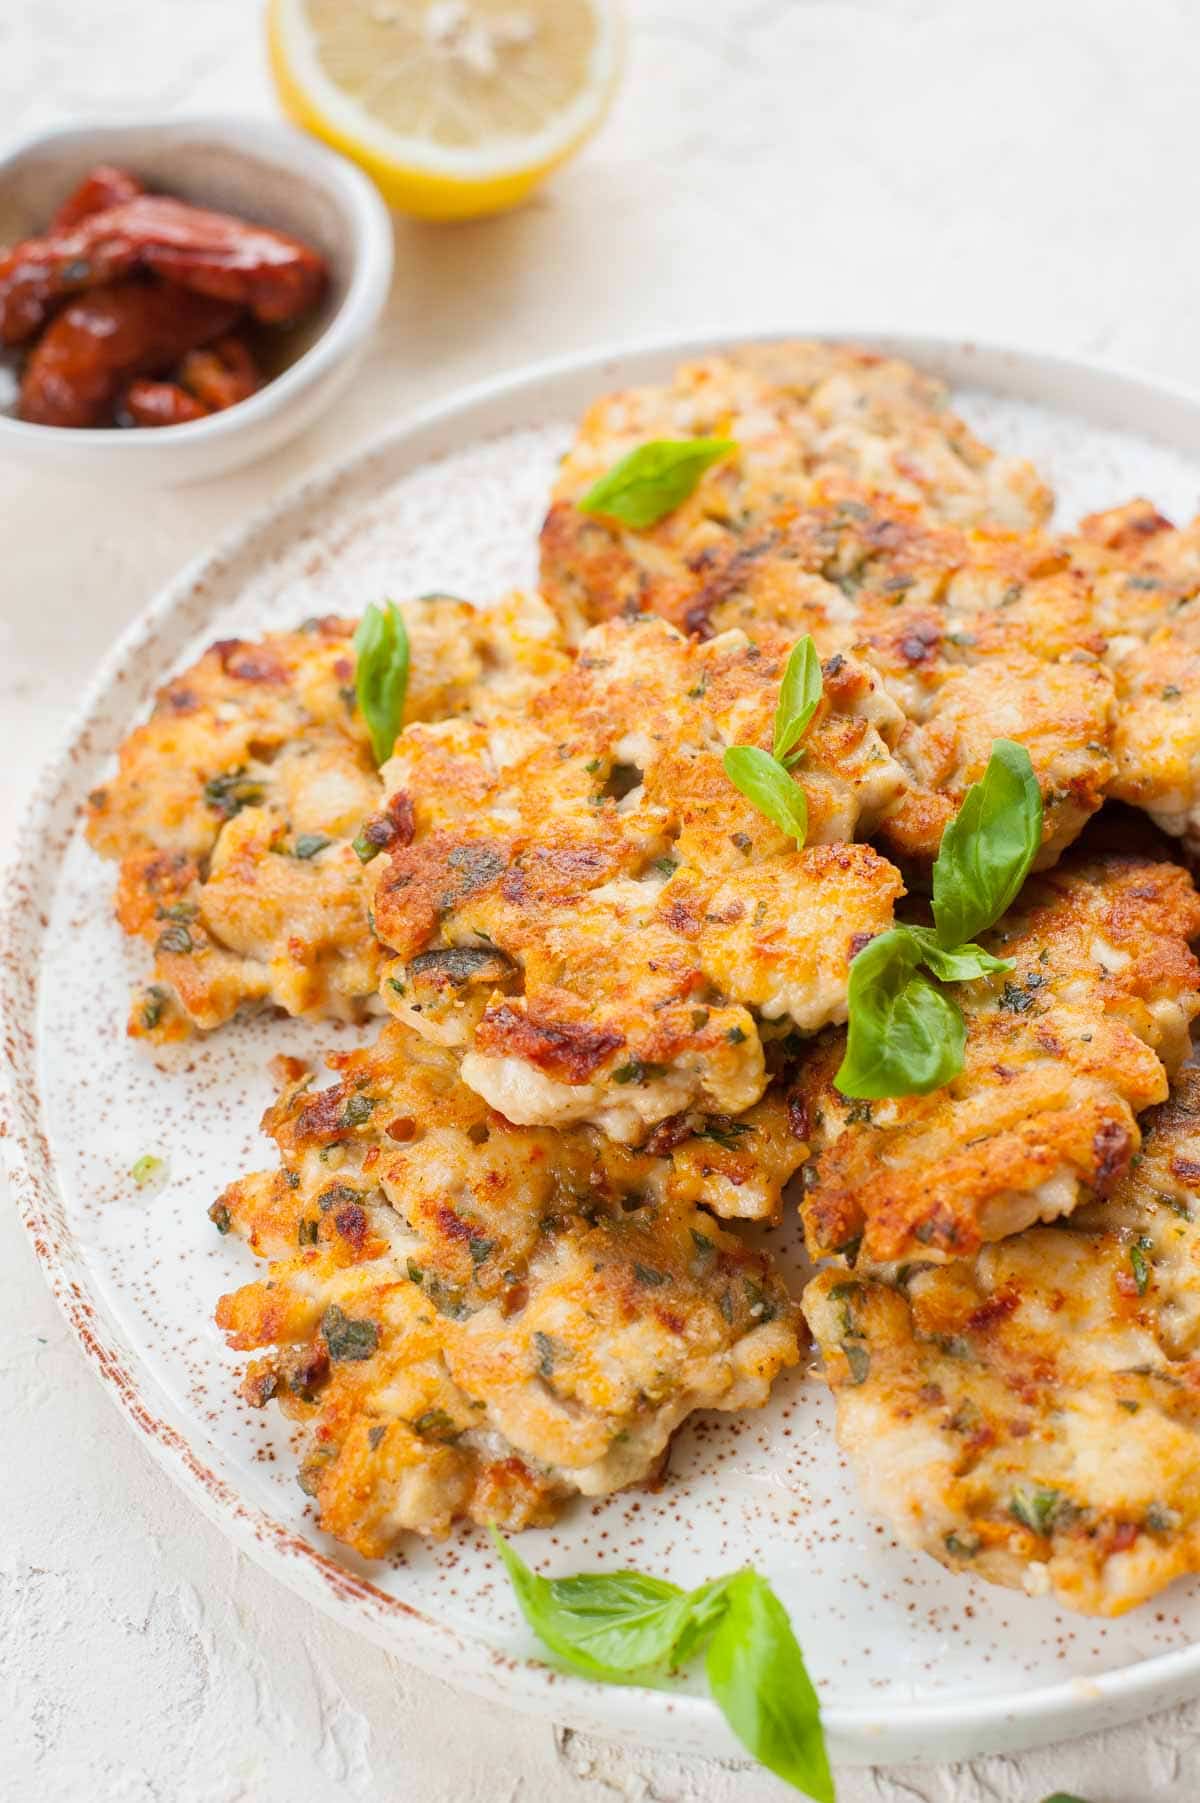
point(547, 1353)
point(357, 1111)
point(1038, 1508)
point(174, 939)
point(666, 866)
point(435, 1424)
point(227, 795)
point(1141, 1267)
point(961, 1546)
point(183, 910)
point(308, 1233)
point(859, 1360)
point(638, 1071)
point(735, 1036)
point(647, 1275)
point(415, 1273)
point(760, 1306)
point(1159, 1519)
point(154, 1002)
point(147, 1169)
point(348, 1338)
point(723, 1132)
point(375, 1437)
point(218, 1214)
point(480, 1248)
point(309, 844)
point(1171, 693)
point(336, 1196)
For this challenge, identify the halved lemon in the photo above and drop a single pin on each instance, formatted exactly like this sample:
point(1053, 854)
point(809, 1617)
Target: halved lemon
point(455, 107)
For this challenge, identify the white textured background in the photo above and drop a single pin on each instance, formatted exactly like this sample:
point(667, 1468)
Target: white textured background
point(1021, 169)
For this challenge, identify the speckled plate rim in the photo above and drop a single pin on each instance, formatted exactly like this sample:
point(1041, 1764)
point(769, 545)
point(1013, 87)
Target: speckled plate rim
point(138, 661)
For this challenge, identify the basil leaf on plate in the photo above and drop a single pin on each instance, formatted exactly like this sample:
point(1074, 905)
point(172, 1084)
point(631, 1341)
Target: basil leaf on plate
point(799, 698)
point(905, 1036)
point(381, 675)
point(606, 1624)
point(618, 1626)
point(767, 784)
point(650, 483)
point(987, 849)
point(756, 1672)
point(957, 963)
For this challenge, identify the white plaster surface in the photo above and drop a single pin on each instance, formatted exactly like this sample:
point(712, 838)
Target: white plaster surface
point(1020, 169)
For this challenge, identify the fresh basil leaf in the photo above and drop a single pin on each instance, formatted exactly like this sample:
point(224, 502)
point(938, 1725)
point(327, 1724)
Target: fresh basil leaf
point(959, 963)
point(757, 1675)
point(905, 1036)
point(620, 1625)
point(381, 675)
point(799, 698)
point(988, 847)
point(766, 783)
point(605, 1624)
point(651, 482)
point(705, 1609)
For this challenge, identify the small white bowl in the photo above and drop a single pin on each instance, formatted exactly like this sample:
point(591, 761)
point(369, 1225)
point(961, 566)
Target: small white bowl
point(269, 173)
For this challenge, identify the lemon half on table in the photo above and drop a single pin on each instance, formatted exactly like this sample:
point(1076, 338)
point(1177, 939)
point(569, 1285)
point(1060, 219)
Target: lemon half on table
point(455, 107)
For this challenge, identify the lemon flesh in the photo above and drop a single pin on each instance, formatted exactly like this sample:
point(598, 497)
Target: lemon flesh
point(454, 107)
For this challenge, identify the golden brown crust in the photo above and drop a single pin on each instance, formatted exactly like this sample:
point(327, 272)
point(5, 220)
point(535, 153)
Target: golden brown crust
point(973, 635)
point(234, 809)
point(470, 1319)
point(800, 413)
point(1029, 1415)
point(1146, 576)
point(643, 906)
point(1062, 1055)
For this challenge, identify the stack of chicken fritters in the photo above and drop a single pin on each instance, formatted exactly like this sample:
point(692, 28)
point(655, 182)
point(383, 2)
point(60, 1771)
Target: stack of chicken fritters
point(498, 1271)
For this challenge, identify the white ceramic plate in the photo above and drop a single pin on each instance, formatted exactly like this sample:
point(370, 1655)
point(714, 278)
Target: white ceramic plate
point(910, 1661)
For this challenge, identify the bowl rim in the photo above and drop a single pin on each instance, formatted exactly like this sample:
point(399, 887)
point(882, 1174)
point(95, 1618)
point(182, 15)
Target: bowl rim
point(367, 288)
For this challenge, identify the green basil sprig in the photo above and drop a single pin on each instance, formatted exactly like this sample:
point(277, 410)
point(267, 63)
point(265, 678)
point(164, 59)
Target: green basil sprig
point(381, 675)
point(652, 481)
point(907, 1037)
point(620, 1626)
point(762, 776)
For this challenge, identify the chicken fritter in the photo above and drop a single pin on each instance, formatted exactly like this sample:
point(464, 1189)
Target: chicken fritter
point(799, 412)
point(1063, 1053)
point(1031, 1415)
point(474, 1320)
point(975, 635)
point(580, 896)
point(1146, 575)
point(234, 808)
